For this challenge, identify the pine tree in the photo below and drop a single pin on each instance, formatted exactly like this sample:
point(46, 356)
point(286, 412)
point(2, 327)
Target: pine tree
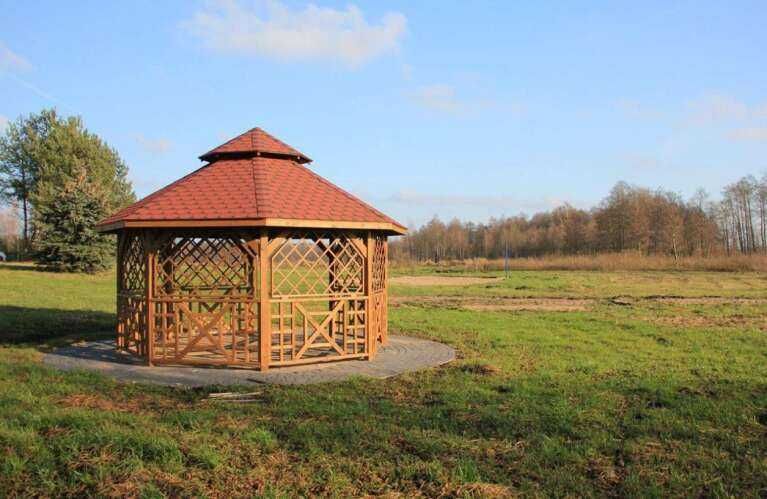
point(19, 163)
point(68, 240)
point(69, 179)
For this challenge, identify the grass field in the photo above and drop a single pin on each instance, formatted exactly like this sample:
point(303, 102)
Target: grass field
point(568, 383)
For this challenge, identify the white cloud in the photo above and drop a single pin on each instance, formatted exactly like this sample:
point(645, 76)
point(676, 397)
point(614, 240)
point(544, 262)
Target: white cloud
point(3, 123)
point(11, 60)
point(407, 72)
point(642, 161)
point(453, 200)
point(717, 108)
point(760, 111)
point(271, 29)
point(439, 97)
point(709, 109)
point(153, 146)
point(756, 134)
point(638, 110)
point(444, 99)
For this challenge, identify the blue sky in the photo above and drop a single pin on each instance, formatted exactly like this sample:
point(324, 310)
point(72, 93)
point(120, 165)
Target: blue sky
point(468, 109)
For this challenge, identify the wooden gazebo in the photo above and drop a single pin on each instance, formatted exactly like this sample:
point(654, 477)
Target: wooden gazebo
point(252, 260)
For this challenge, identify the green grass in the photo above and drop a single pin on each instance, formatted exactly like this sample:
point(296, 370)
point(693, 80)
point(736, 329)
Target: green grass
point(655, 398)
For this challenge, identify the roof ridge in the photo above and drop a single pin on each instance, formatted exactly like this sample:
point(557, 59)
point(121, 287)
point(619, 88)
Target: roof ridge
point(348, 195)
point(129, 210)
point(255, 182)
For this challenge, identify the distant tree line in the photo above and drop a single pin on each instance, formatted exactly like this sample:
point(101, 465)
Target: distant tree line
point(57, 180)
point(630, 218)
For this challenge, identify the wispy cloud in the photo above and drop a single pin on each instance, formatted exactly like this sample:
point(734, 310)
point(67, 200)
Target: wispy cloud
point(10, 60)
point(642, 161)
point(271, 29)
point(12, 63)
point(439, 97)
point(502, 202)
point(407, 72)
point(638, 110)
point(753, 134)
point(35, 89)
point(153, 146)
point(725, 115)
point(717, 108)
point(708, 109)
point(444, 99)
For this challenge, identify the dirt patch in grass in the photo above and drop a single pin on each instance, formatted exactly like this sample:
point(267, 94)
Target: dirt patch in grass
point(707, 300)
point(441, 280)
point(92, 401)
point(498, 304)
point(481, 368)
point(537, 304)
point(481, 489)
point(737, 320)
point(136, 403)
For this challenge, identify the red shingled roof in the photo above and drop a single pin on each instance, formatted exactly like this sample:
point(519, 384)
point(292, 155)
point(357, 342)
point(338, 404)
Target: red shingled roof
point(256, 141)
point(245, 187)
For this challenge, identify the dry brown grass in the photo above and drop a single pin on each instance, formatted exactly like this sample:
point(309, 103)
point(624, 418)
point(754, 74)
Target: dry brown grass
point(604, 262)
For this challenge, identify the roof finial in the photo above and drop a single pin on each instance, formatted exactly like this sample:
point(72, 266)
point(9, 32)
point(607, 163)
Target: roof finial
point(255, 142)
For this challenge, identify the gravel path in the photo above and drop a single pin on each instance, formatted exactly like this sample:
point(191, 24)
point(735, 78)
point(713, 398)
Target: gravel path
point(403, 354)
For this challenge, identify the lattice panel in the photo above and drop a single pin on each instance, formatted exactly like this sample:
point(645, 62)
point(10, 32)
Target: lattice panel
point(131, 324)
point(379, 264)
point(317, 264)
point(206, 332)
point(304, 331)
point(203, 306)
point(379, 317)
point(133, 264)
point(204, 267)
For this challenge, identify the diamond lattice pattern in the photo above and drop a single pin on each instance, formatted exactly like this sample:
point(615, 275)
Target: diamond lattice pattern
point(133, 270)
point(203, 266)
point(379, 264)
point(317, 265)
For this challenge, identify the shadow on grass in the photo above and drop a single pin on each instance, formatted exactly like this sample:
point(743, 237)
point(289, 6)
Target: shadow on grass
point(28, 266)
point(35, 267)
point(50, 327)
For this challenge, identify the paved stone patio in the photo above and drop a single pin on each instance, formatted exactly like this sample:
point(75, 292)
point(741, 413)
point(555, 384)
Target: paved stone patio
point(403, 354)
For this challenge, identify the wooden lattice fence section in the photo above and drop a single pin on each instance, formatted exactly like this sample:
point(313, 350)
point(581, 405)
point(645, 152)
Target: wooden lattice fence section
point(319, 308)
point(205, 299)
point(209, 297)
point(132, 293)
point(378, 290)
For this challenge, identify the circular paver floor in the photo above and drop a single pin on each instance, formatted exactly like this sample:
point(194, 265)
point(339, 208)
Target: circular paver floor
point(402, 354)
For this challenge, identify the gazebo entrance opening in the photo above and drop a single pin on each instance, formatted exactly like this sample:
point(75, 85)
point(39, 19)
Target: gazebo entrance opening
point(251, 297)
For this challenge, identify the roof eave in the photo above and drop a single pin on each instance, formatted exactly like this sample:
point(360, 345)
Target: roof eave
point(113, 227)
point(214, 155)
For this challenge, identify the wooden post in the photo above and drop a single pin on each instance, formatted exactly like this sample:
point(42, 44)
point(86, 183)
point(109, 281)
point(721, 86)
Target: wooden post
point(264, 305)
point(369, 305)
point(149, 282)
point(385, 309)
point(120, 242)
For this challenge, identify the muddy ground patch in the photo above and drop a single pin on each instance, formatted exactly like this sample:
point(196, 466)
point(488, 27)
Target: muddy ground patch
point(498, 304)
point(441, 280)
